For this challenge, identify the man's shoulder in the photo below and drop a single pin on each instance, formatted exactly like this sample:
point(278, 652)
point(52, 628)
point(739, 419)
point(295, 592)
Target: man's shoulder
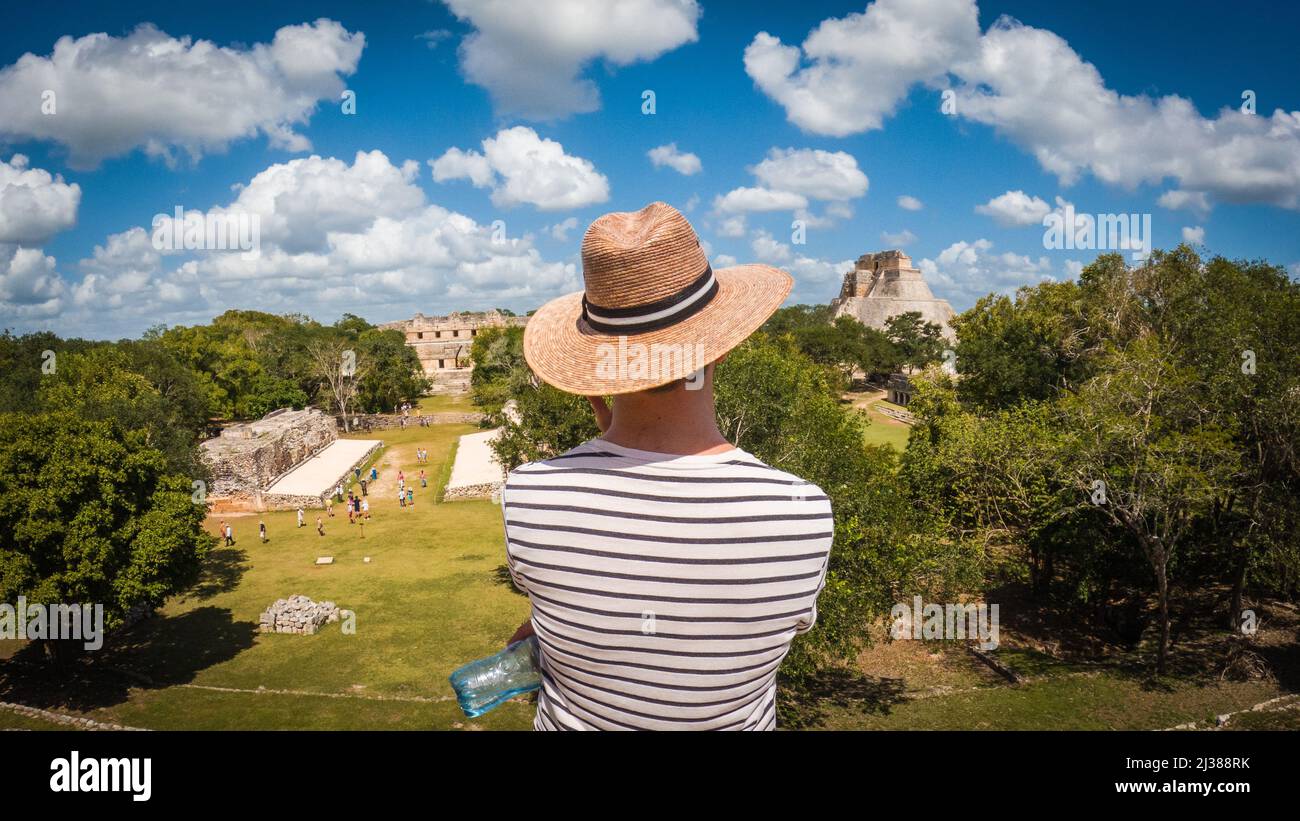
point(583, 454)
point(749, 465)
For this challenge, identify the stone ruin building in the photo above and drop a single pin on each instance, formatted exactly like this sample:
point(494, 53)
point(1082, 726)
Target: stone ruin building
point(247, 458)
point(884, 285)
point(442, 343)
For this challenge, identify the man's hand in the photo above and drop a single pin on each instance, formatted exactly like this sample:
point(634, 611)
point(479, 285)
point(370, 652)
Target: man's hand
point(525, 630)
point(603, 414)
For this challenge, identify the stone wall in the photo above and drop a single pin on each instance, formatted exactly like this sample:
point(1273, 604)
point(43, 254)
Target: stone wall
point(886, 284)
point(247, 458)
point(384, 421)
point(487, 490)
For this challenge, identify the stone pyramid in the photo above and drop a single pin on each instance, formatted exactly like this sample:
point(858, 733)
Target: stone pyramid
point(885, 284)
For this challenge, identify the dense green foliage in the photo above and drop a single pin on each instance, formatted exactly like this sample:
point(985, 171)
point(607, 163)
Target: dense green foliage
point(1133, 432)
point(498, 359)
point(99, 454)
point(89, 513)
point(847, 345)
point(250, 363)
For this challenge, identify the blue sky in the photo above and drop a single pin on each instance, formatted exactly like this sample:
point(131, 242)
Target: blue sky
point(1110, 107)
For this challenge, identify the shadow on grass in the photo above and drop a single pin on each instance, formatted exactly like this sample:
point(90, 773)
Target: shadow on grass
point(806, 707)
point(222, 572)
point(159, 652)
point(502, 576)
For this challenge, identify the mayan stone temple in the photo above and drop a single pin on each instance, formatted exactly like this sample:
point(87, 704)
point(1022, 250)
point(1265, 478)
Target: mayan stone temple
point(442, 343)
point(884, 285)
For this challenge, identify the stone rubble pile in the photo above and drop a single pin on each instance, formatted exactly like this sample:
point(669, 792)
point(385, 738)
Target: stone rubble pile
point(297, 614)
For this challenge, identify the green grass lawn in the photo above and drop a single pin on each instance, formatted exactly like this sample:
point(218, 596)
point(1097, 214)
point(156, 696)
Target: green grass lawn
point(1105, 700)
point(446, 403)
point(432, 597)
point(883, 430)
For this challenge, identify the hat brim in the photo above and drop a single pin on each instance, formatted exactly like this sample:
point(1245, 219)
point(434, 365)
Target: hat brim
point(564, 351)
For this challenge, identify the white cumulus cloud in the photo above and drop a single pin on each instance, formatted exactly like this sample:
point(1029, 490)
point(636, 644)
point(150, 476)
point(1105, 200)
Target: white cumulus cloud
point(965, 271)
point(740, 200)
point(30, 286)
point(898, 240)
point(522, 168)
point(150, 90)
point(817, 174)
point(851, 72)
point(34, 204)
point(336, 237)
point(683, 162)
point(1030, 86)
point(1015, 209)
point(789, 178)
point(531, 56)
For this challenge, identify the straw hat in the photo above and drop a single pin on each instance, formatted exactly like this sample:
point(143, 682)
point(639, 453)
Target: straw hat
point(653, 311)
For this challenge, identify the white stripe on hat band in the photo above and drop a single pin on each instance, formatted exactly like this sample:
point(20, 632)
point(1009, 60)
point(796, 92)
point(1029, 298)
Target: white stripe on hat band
point(651, 317)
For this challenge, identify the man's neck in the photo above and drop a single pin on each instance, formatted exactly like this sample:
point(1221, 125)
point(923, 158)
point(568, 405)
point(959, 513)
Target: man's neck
point(679, 421)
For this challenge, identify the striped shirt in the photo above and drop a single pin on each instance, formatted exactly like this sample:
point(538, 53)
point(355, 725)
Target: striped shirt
point(665, 589)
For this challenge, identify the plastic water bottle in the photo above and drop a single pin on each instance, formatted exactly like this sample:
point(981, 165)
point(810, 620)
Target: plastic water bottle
point(485, 683)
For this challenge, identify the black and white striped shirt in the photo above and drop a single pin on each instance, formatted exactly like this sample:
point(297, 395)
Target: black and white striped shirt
point(665, 589)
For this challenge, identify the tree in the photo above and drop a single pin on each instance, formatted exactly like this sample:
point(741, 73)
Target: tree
point(500, 371)
point(843, 343)
point(89, 513)
point(106, 382)
point(336, 362)
point(919, 342)
point(1232, 325)
point(1026, 349)
point(993, 477)
point(25, 365)
point(1141, 444)
point(393, 371)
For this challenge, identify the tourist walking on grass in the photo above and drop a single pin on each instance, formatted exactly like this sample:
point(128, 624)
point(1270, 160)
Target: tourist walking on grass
point(363, 488)
point(261, 531)
point(230, 536)
point(365, 508)
point(300, 517)
point(320, 526)
point(401, 499)
point(423, 482)
point(660, 514)
point(410, 497)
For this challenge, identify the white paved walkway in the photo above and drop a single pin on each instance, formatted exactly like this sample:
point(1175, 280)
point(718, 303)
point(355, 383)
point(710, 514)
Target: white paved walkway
point(475, 464)
point(320, 473)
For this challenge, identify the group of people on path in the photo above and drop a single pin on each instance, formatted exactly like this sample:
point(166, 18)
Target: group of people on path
point(227, 533)
point(406, 495)
point(358, 505)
